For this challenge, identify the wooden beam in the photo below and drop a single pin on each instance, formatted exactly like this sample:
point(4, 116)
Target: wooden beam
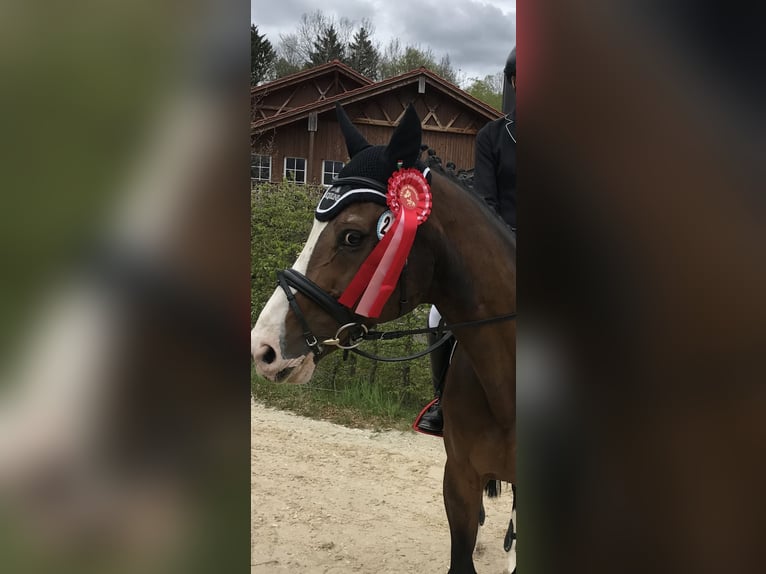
point(310, 160)
point(404, 109)
point(287, 101)
point(271, 108)
point(370, 122)
point(432, 114)
point(323, 94)
point(452, 121)
point(382, 109)
point(468, 130)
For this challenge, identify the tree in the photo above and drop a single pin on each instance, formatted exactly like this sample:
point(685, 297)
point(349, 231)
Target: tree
point(327, 47)
point(319, 39)
point(262, 57)
point(284, 67)
point(489, 90)
point(398, 60)
point(363, 56)
point(294, 51)
point(296, 48)
point(445, 70)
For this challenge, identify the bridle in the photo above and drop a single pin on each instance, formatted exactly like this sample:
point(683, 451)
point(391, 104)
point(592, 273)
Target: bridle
point(288, 278)
point(352, 331)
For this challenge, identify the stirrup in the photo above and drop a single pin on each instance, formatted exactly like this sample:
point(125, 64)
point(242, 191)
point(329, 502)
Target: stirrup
point(415, 424)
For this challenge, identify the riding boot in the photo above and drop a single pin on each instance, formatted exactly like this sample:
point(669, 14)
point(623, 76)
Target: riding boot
point(432, 420)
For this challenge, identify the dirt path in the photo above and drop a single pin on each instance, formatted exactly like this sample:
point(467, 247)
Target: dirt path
point(327, 499)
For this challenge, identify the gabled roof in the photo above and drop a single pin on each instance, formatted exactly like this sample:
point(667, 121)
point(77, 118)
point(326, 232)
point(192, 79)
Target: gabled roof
point(373, 89)
point(321, 70)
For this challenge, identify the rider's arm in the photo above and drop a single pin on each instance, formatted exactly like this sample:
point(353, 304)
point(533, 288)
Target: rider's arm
point(484, 179)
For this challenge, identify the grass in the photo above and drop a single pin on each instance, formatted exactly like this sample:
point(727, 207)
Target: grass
point(357, 404)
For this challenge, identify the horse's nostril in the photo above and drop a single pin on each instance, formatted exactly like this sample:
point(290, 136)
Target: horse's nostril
point(268, 355)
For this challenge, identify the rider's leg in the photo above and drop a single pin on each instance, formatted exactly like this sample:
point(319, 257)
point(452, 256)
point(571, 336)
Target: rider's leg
point(432, 420)
point(440, 358)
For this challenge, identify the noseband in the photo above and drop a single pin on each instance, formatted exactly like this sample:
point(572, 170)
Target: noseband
point(346, 318)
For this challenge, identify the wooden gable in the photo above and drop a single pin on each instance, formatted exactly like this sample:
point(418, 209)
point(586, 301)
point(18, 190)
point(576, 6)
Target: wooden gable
point(303, 89)
point(438, 110)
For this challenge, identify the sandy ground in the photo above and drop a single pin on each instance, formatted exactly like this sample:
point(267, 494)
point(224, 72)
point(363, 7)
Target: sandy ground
point(328, 499)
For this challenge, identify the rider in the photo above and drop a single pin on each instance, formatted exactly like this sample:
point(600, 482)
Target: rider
point(495, 182)
point(495, 165)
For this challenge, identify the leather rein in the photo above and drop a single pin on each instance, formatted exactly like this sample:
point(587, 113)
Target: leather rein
point(352, 331)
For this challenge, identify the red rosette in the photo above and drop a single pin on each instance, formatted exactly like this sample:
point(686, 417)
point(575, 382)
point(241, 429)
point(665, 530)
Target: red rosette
point(408, 189)
point(409, 198)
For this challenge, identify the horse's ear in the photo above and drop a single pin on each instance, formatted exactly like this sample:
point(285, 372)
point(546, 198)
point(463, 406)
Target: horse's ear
point(405, 141)
point(355, 141)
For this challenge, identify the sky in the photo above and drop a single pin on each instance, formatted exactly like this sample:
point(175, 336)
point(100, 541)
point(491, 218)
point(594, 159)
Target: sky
point(477, 34)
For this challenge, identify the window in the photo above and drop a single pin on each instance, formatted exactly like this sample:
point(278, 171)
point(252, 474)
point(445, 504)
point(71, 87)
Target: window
point(260, 167)
point(330, 170)
point(295, 169)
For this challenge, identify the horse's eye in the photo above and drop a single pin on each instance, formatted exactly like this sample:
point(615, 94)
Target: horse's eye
point(352, 238)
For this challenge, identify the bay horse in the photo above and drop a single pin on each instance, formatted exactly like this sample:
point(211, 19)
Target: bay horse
point(463, 260)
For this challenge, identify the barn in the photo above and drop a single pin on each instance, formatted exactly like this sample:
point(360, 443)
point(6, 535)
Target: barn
point(295, 135)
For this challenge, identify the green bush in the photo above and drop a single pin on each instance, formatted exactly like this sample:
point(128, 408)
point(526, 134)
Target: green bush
point(356, 390)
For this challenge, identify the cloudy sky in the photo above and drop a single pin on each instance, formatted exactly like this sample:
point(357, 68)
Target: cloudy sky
point(477, 34)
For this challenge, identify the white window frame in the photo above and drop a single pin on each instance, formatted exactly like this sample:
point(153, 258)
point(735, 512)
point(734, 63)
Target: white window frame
point(260, 167)
point(332, 173)
point(305, 165)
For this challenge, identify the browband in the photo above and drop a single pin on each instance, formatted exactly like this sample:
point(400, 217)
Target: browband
point(347, 190)
point(358, 181)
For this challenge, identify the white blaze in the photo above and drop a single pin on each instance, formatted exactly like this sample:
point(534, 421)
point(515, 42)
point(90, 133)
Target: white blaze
point(269, 328)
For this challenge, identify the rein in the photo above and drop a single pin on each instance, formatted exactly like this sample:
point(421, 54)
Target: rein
point(357, 331)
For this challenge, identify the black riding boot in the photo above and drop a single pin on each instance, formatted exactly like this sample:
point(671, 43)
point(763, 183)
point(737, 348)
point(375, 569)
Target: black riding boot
point(432, 420)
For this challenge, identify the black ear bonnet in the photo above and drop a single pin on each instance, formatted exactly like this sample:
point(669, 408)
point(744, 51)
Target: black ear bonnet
point(365, 177)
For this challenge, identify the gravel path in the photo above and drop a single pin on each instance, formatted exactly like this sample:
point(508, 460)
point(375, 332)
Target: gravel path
point(329, 499)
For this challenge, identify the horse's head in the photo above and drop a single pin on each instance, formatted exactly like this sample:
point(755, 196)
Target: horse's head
point(345, 232)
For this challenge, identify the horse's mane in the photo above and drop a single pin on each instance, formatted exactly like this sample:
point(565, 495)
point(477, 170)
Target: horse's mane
point(493, 218)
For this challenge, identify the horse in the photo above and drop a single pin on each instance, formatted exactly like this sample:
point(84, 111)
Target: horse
point(463, 260)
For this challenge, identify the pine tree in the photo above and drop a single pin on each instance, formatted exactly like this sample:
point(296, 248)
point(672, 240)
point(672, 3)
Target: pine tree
point(262, 56)
point(327, 47)
point(362, 54)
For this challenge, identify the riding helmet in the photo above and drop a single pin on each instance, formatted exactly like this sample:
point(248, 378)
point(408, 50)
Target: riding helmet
point(510, 65)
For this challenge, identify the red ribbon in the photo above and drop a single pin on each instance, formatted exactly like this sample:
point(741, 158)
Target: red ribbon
point(409, 198)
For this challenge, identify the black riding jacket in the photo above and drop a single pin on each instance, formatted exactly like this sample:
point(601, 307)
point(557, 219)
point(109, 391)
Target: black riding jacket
point(495, 167)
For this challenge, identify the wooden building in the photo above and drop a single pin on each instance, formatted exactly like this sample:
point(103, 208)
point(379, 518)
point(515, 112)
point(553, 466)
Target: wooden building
point(295, 135)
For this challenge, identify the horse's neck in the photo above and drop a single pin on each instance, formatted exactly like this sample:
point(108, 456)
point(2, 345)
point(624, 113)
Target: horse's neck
point(475, 266)
point(475, 258)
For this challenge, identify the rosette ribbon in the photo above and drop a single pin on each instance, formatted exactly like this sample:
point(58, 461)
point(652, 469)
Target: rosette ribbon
point(409, 198)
